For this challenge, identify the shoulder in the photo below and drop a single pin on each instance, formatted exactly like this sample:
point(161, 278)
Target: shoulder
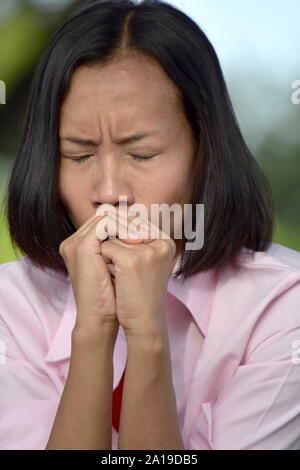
point(272, 272)
point(276, 257)
point(276, 268)
point(23, 280)
point(32, 300)
point(260, 295)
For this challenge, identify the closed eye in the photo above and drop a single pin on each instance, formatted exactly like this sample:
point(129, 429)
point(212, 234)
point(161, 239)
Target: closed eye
point(135, 157)
point(141, 158)
point(82, 159)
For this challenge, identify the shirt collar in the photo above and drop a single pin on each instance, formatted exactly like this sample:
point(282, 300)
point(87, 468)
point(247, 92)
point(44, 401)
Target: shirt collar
point(60, 347)
point(196, 293)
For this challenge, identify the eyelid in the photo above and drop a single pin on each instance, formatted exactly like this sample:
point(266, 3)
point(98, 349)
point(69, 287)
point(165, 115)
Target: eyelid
point(76, 158)
point(83, 158)
point(141, 157)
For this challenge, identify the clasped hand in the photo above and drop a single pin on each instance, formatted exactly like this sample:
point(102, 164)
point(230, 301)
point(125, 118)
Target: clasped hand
point(140, 270)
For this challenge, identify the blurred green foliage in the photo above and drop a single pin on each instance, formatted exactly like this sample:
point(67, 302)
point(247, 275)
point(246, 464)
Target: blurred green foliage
point(7, 252)
point(16, 55)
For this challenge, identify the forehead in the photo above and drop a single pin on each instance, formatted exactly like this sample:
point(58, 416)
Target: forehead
point(128, 88)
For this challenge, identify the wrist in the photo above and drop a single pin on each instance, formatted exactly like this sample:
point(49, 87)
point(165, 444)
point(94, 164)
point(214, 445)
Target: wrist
point(146, 339)
point(86, 321)
point(101, 333)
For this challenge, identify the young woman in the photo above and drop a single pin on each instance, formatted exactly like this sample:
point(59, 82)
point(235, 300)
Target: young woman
point(118, 343)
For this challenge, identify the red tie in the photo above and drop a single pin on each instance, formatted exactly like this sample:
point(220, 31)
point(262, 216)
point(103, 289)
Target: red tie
point(116, 403)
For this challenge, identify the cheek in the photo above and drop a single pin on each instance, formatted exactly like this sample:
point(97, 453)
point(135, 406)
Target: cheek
point(62, 187)
point(69, 196)
point(176, 186)
point(63, 179)
point(167, 180)
point(68, 185)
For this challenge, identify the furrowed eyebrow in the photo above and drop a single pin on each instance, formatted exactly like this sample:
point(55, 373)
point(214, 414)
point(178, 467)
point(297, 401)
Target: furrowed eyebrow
point(77, 140)
point(134, 138)
point(125, 140)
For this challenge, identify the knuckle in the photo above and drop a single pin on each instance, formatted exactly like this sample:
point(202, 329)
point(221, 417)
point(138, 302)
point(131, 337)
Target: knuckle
point(163, 248)
point(149, 254)
point(65, 247)
point(62, 248)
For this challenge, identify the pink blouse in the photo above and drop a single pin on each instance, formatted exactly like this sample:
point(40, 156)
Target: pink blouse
point(234, 344)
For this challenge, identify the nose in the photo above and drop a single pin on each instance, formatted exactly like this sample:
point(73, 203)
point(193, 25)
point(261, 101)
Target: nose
point(109, 180)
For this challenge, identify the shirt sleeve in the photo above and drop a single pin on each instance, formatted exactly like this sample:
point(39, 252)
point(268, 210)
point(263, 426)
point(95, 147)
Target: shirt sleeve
point(27, 399)
point(259, 408)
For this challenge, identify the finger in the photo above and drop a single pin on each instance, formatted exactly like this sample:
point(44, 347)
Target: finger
point(138, 230)
point(113, 253)
point(92, 220)
point(83, 229)
point(144, 226)
point(140, 226)
point(171, 243)
point(117, 227)
point(110, 267)
point(154, 231)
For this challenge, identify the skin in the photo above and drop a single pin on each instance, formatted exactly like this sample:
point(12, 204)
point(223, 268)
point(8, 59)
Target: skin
point(129, 96)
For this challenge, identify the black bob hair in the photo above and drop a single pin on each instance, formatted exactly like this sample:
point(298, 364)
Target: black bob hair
point(227, 179)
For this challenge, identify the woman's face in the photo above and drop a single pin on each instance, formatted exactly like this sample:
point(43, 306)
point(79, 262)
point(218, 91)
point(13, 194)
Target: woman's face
point(104, 105)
